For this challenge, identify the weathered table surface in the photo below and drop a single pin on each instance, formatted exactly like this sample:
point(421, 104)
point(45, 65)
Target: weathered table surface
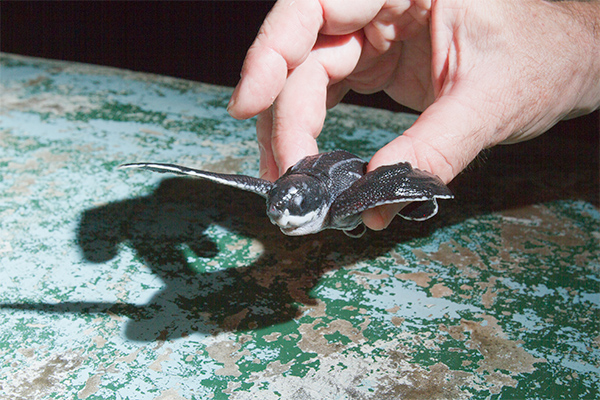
point(129, 284)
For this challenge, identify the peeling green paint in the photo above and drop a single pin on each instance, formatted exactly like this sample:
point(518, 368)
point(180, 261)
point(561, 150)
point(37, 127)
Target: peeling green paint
point(138, 285)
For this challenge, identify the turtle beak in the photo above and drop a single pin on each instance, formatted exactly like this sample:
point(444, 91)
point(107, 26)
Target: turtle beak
point(274, 214)
point(277, 217)
point(292, 224)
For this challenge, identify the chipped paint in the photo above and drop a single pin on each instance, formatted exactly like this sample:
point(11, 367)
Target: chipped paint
point(143, 286)
point(422, 279)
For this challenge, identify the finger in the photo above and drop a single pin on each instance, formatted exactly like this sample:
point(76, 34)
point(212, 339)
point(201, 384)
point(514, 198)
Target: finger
point(284, 41)
point(299, 111)
point(346, 16)
point(264, 126)
point(446, 137)
point(399, 150)
point(444, 140)
point(298, 114)
point(339, 55)
point(335, 93)
point(379, 218)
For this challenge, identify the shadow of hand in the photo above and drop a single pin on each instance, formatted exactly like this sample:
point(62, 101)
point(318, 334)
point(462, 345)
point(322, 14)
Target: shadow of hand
point(261, 292)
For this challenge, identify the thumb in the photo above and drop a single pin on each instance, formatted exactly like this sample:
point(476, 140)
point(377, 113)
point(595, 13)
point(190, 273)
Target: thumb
point(443, 141)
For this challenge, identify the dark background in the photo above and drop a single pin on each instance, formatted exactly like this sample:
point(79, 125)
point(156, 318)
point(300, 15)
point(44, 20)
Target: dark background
point(198, 40)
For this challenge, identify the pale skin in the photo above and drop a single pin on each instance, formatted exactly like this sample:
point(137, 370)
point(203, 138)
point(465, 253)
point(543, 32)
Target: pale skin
point(481, 72)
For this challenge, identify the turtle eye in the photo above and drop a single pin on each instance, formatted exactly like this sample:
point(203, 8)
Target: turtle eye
point(302, 202)
point(299, 200)
point(306, 202)
point(297, 194)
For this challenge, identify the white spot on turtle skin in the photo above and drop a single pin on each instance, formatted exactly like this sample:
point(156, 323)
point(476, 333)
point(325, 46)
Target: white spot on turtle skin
point(298, 199)
point(289, 194)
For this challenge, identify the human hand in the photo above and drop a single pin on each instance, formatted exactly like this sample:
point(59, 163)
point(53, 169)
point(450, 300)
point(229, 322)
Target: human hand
point(482, 73)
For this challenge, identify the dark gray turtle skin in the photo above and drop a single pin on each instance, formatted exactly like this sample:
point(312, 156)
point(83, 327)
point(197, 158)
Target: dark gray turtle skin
point(330, 191)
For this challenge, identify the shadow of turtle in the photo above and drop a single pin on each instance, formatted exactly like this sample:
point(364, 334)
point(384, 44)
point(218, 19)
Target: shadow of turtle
point(250, 291)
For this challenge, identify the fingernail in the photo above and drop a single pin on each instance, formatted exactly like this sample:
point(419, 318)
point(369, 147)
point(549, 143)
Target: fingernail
point(262, 163)
point(382, 215)
point(233, 97)
point(231, 102)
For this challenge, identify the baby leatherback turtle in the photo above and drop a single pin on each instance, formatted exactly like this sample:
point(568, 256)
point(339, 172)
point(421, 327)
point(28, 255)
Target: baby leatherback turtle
point(330, 190)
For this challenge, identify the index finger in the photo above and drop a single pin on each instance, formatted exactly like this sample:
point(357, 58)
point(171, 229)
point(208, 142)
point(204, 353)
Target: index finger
point(285, 39)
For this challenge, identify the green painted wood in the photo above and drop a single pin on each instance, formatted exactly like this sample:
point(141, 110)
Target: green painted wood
point(129, 285)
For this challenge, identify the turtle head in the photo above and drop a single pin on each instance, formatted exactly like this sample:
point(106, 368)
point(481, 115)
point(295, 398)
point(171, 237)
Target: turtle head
point(298, 204)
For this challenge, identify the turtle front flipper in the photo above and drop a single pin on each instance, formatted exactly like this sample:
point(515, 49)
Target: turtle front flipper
point(244, 182)
point(390, 184)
